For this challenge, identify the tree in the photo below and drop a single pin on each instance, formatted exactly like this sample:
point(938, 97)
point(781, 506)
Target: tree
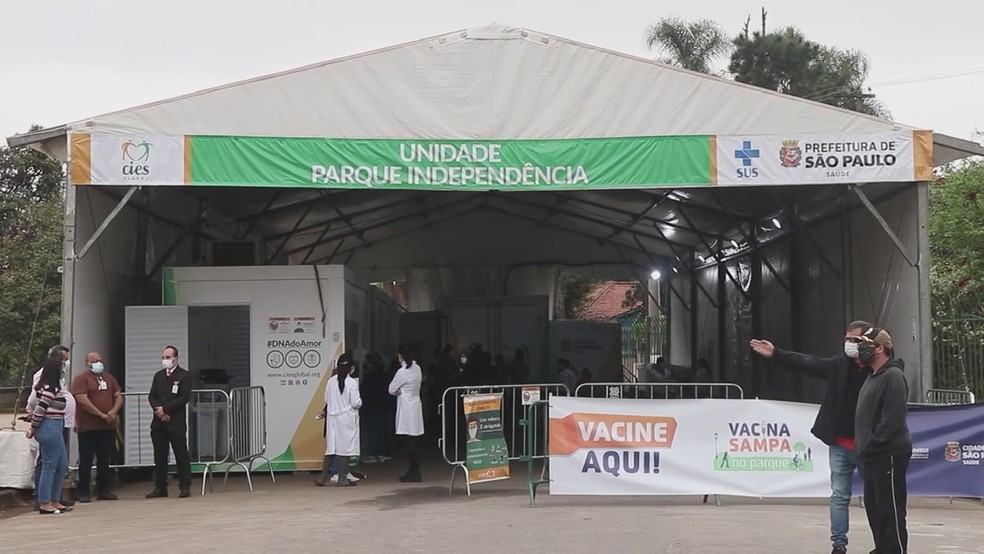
point(786, 61)
point(576, 290)
point(692, 45)
point(956, 230)
point(31, 216)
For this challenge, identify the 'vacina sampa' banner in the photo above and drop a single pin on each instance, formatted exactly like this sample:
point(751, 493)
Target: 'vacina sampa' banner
point(740, 447)
point(480, 165)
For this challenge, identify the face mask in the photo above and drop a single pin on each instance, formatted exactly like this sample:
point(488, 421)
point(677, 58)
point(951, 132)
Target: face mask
point(66, 366)
point(463, 361)
point(97, 367)
point(866, 353)
point(851, 349)
point(168, 364)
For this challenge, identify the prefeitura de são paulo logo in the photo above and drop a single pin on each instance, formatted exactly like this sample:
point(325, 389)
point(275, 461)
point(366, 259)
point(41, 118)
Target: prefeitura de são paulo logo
point(790, 155)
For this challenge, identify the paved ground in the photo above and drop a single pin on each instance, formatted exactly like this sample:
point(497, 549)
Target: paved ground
point(383, 515)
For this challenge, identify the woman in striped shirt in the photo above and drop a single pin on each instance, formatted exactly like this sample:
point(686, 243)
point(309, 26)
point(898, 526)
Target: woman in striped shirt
point(47, 427)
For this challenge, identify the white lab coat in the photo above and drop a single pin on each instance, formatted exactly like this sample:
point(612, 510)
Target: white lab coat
point(342, 429)
point(409, 412)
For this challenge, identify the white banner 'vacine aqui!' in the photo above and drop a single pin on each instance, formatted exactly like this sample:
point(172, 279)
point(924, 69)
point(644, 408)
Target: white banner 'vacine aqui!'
point(817, 159)
point(601, 446)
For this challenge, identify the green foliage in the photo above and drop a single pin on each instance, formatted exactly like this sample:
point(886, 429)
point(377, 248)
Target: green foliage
point(799, 446)
point(786, 61)
point(692, 45)
point(577, 290)
point(31, 216)
point(956, 229)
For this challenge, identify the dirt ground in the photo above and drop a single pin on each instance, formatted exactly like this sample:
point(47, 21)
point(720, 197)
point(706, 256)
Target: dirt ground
point(381, 514)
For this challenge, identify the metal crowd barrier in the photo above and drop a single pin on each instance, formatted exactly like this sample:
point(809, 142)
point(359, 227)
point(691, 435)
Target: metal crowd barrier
point(660, 391)
point(947, 397)
point(208, 432)
point(248, 436)
point(454, 430)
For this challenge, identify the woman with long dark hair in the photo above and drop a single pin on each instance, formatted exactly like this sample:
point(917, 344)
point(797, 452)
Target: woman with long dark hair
point(48, 427)
point(342, 437)
point(409, 411)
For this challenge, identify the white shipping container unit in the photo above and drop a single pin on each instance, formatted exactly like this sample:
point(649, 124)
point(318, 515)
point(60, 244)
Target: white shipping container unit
point(279, 327)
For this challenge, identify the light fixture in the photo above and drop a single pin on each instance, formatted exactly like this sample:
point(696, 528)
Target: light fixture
point(733, 243)
point(655, 275)
point(675, 270)
point(701, 258)
point(776, 223)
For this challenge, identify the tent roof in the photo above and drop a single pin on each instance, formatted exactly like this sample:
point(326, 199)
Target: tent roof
point(493, 82)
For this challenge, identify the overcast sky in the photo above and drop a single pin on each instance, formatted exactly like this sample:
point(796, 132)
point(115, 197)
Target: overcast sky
point(68, 60)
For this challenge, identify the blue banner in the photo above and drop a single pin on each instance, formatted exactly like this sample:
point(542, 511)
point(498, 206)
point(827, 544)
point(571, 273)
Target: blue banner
point(947, 451)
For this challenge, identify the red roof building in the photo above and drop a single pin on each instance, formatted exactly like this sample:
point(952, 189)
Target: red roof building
point(608, 301)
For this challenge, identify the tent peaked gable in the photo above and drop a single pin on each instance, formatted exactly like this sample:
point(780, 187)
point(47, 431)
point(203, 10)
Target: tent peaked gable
point(492, 82)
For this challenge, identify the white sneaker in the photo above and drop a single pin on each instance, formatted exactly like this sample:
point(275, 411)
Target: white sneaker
point(352, 478)
point(334, 478)
point(370, 460)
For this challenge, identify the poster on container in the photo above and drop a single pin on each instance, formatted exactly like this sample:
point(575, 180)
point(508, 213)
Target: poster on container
point(487, 457)
point(601, 446)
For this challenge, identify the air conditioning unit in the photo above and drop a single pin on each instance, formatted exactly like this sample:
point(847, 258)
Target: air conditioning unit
point(233, 252)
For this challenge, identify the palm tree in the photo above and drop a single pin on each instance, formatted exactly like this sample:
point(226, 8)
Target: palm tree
point(692, 45)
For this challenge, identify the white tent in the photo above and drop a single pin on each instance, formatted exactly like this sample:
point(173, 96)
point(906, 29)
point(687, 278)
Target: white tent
point(793, 262)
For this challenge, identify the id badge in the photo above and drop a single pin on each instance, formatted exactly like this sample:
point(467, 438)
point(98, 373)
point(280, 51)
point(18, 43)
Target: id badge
point(174, 388)
point(103, 385)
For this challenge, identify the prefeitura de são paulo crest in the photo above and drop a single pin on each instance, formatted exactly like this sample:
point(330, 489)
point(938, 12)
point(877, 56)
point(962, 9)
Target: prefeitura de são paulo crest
point(790, 154)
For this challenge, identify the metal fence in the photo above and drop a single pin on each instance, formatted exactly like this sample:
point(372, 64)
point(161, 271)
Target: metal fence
point(224, 428)
point(248, 434)
point(946, 397)
point(660, 391)
point(958, 343)
point(208, 436)
point(454, 431)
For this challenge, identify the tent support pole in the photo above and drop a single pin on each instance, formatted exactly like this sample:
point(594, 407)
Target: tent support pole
point(722, 309)
point(924, 332)
point(256, 218)
point(140, 269)
point(288, 237)
point(758, 376)
point(796, 307)
point(68, 262)
point(884, 225)
point(694, 320)
point(109, 219)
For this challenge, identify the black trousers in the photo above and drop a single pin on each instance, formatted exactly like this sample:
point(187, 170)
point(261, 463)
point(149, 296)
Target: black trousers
point(167, 437)
point(98, 445)
point(885, 496)
point(413, 453)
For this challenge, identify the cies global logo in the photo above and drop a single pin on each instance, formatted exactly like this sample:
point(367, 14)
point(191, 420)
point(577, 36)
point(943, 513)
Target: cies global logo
point(136, 159)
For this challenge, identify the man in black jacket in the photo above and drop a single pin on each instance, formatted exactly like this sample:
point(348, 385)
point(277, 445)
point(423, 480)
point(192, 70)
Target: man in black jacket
point(834, 424)
point(883, 442)
point(170, 392)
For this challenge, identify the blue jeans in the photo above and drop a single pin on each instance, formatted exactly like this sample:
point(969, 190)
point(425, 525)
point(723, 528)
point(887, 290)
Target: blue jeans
point(54, 459)
point(843, 462)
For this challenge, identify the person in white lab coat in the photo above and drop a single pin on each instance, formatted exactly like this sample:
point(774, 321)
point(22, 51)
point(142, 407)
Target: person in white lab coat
point(409, 411)
point(342, 403)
